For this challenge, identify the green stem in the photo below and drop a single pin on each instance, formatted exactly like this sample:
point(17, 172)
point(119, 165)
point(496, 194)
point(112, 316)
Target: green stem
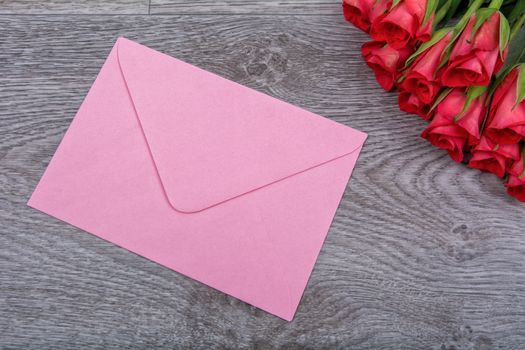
point(496, 4)
point(476, 4)
point(488, 102)
point(442, 12)
point(458, 29)
point(516, 27)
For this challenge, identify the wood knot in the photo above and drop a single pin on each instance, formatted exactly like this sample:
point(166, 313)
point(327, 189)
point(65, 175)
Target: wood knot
point(464, 338)
point(266, 58)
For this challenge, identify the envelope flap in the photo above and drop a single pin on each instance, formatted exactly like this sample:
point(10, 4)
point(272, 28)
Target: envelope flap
point(212, 139)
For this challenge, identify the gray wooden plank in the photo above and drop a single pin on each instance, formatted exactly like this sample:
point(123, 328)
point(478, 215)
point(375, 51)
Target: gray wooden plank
point(275, 7)
point(422, 254)
point(74, 7)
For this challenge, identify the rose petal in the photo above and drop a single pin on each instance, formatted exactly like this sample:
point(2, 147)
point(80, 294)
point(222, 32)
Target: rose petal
point(516, 188)
point(397, 27)
point(384, 61)
point(357, 12)
point(473, 61)
point(507, 122)
point(410, 103)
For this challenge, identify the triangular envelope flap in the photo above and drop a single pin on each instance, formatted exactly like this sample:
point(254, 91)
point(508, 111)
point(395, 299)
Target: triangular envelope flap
point(212, 139)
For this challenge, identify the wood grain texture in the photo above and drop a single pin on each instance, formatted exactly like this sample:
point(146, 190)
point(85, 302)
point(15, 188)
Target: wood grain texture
point(255, 7)
point(74, 7)
point(423, 253)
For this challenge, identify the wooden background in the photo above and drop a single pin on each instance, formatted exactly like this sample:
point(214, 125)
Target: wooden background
point(423, 253)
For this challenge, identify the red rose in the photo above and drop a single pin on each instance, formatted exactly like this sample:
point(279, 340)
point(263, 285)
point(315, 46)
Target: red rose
point(384, 61)
point(455, 135)
point(410, 103)
point(507, 122)
point(492, 157)
point(473, 61)
point(421, 78)
point(361, 13)
point(403, 24)
point(516, 183)
point(516, 188)
point(380, 8)
point(357, 12)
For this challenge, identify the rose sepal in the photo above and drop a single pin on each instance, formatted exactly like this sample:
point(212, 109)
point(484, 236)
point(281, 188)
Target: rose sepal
point(473, 92)
point(438, 35)
point(520, 93)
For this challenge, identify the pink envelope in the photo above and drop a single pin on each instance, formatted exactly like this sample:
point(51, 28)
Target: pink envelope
point(214, 180)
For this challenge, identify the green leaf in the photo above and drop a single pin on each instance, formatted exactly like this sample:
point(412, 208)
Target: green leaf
point(496, 4)
point(517, 11)
point(499, 78)
point(473, 93)
point(474, 5)
point(516, 49)
point(458, 29)
point(520, 95)
point(403, 76)
point(441, 13)
point(394, 3)
point(430, 9)
point(440, 98)
point(504, 34)
point(454, 4)
point(443, 62)
point(438, 35)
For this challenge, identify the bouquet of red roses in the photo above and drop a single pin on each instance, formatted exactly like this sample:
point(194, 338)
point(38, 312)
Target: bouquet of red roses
point(460, 65)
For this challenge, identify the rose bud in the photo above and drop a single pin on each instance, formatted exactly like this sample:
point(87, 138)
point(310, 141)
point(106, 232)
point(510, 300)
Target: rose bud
point(410, 103)
point(516, 188)
point(516, 183)
point(357, 12)
point(403, 24)
point(456, 122)
point(384, 61)
point(380, 8)
point(492, 157)
point(420, 78)
point(476, 57)
point(361, 13)
point(507, 110)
